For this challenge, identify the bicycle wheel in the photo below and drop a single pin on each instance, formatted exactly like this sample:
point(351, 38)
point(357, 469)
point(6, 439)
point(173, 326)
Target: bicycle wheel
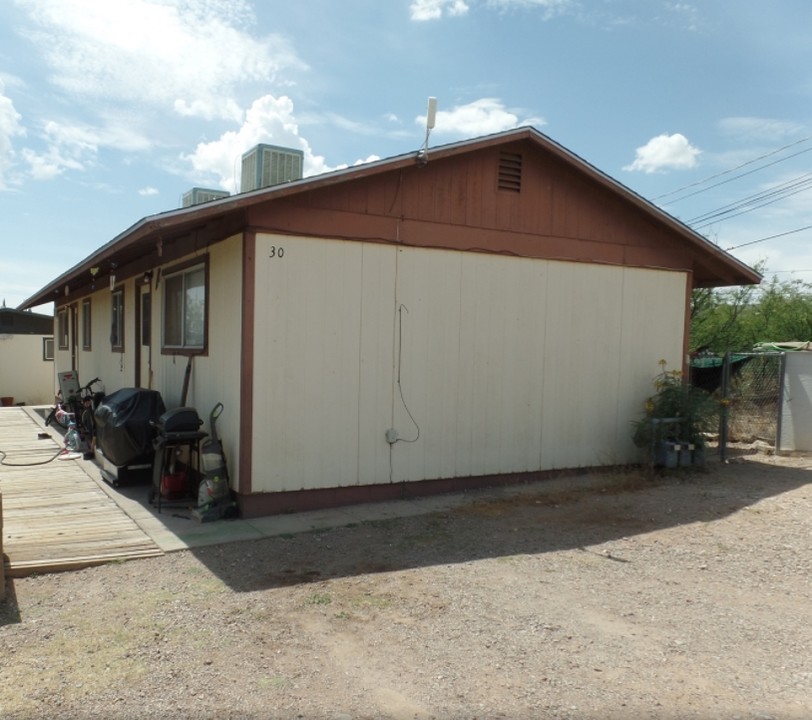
point(87, 422)
point(58, 416)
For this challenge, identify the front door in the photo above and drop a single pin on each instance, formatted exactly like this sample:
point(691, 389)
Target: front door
point(74, 336)
point(143, 339)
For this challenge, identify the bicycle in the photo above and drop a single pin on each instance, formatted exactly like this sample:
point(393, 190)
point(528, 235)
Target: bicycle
point(78, 410)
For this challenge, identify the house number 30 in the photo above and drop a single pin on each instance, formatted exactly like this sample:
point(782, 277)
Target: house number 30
point(277, 252)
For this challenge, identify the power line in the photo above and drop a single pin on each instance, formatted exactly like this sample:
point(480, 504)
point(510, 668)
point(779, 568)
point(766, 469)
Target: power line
point(733, 169)
point(753, 202)
point(737, 177)
point(772, 237)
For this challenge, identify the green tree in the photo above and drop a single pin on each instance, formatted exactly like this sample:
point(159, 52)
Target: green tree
point(736, 319)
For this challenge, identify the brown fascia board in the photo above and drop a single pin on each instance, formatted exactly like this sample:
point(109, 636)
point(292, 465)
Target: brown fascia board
point(152, 227)
point(739, 274)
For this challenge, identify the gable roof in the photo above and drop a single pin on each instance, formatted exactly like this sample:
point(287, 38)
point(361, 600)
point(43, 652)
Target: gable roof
point(134, 251)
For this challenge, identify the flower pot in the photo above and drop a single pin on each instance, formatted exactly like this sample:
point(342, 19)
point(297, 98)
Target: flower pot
point(7, 401)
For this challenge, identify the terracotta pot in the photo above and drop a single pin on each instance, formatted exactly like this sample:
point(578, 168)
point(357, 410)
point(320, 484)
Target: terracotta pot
point(7, 401)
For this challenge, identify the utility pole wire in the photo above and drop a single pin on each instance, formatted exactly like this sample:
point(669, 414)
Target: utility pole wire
point(771, 237)
point(738, 167)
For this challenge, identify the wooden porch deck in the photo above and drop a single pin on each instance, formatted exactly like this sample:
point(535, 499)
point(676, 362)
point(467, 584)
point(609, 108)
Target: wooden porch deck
point(54, 514)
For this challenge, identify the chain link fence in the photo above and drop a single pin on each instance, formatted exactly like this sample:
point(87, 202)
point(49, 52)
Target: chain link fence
point(750, 388)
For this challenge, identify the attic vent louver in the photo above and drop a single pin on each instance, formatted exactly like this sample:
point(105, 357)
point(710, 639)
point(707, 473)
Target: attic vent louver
point(510, 172)
point(266, 165)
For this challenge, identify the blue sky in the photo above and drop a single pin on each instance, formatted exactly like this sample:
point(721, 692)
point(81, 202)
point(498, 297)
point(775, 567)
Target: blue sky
point(111, 109)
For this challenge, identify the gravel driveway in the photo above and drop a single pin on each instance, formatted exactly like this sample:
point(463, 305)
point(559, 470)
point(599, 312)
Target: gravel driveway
point(683, 597)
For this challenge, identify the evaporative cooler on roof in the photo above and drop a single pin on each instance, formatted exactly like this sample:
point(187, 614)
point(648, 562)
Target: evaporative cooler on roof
point(266, 165)
point(198, 195)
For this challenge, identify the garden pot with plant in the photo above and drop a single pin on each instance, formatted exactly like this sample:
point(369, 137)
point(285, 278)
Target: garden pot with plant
point(675, 421)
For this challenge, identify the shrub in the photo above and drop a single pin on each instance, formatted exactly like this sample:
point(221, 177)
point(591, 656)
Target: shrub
point(697, 411)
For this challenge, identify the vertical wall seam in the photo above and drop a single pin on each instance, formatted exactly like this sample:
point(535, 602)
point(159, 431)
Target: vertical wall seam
point(546, 324)
point(621, 345)
point(360, 371)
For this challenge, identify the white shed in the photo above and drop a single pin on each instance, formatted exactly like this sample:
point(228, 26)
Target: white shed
point(26, 357)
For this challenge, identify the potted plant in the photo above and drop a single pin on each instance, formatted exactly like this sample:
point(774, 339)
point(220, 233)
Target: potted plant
point(675, 420)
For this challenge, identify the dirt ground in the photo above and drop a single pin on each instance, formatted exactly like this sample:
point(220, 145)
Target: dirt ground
point(683, 596)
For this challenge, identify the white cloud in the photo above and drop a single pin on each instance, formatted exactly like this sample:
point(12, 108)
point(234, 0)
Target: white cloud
point(269, 120)
point(434, 9)
point(755, 128)
point(422, 10)
point(189, 56)
point(50, 164)
point(148, 191)
point(75, 146)
point(672, 152)
point(481, 117)
point(10, 127)
point(368, 159)
point(550, 7)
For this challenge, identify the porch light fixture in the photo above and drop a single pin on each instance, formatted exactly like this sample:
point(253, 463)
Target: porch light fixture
point(147, 279)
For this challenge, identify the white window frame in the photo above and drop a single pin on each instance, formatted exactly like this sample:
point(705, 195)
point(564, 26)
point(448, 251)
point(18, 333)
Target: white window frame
point(48, 349)
point(63, 339)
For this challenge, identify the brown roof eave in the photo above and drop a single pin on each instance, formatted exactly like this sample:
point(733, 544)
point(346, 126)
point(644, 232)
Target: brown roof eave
point(730, 271)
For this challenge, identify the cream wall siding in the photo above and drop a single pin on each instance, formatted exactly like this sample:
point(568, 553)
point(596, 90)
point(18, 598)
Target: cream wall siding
point(653, 314)
point(581, 365)
point(470, 348)
point(307, 374)
point(215, 376)
point(376, 365)
point(482, 364)
point(503, 307)
point(606, 330)
point(24, 375)
point(427, 322)
point(115, 369)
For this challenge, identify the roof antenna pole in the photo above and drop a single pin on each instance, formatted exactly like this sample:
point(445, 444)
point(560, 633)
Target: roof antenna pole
point(431, 112)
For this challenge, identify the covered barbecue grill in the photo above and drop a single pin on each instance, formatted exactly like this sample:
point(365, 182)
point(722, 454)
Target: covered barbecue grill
point(176, 464)
point(124, 434)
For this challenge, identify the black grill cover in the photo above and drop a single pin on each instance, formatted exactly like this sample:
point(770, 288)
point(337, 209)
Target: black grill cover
point(182, 419)
point(124, 430)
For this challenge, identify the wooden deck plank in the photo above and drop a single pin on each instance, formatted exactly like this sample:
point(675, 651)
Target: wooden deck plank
point(55, 516)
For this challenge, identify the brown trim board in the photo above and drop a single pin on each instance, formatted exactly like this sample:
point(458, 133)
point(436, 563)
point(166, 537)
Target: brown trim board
point(249, 247)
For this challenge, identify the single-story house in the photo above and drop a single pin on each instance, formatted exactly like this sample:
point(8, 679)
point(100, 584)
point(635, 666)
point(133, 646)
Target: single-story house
point(26, 357)
point(481, 312)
